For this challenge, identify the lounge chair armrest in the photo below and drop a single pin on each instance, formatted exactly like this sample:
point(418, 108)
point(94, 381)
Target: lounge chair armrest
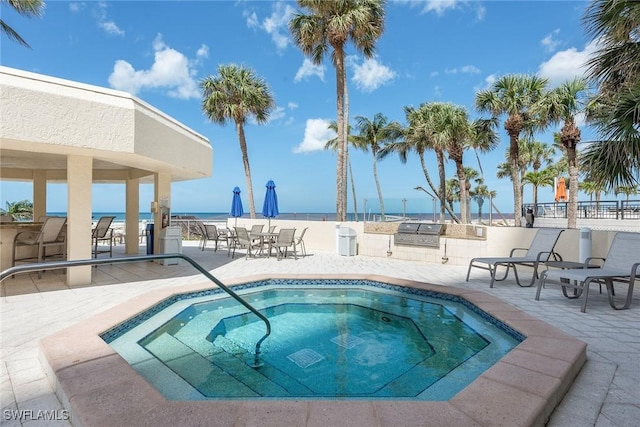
point(517, 249)
point(541, 255)
point(635, 271)
point(588, 260)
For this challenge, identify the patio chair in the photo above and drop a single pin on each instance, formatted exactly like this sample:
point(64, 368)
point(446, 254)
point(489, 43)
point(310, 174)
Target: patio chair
point(51, 234)
point(102, 233)
point(540, 250)
point(300, 242)
point(243, 241)
point(209, 232)
point(622, 264)
point(286, 238)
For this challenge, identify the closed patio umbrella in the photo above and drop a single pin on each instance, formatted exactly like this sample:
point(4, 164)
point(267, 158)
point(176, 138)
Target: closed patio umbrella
point(236, 205)
point(270, 206)
point(561, 190)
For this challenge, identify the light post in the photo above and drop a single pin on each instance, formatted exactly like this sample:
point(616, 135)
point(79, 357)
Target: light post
point(433, 198)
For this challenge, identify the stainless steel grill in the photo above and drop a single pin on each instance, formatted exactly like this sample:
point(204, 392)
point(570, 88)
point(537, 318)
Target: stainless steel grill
point(418, 234)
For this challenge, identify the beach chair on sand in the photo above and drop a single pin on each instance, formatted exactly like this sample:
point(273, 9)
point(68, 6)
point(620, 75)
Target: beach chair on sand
point(540, 250)
point(622, 264)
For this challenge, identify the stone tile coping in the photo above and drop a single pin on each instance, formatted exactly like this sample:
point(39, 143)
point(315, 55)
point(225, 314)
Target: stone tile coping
point(99, 388)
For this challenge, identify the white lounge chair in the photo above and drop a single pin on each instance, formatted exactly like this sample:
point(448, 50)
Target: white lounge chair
point(540, 250)
point(622, 263)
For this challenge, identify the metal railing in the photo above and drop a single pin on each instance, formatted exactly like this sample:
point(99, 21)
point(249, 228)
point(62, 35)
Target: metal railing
point(27, 268)
point(604, 209)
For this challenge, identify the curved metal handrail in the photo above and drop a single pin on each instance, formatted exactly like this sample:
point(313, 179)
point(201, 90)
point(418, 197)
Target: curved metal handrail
point(26, 268)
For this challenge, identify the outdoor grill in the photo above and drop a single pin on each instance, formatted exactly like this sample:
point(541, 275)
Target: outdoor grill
point(418, 234)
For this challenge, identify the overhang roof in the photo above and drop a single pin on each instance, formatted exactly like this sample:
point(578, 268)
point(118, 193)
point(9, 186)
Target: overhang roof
point(44, 119)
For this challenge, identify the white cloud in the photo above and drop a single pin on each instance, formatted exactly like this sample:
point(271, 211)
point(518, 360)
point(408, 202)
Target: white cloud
point(371, 74)
point(567, 64)
point(276, 24)
point(76, 7)
point(203, 52)
point(440, 6)
point(100, 13)
point(292, 105)
point(171, 71)
point(111, 28)
point(466, 69)
point(550, 42)
point(488, 82)
point(307, 69)
point(316, 135)
point(277, 113)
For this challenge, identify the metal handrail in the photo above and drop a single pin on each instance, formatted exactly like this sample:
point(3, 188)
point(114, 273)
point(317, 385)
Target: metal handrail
point(26, 268)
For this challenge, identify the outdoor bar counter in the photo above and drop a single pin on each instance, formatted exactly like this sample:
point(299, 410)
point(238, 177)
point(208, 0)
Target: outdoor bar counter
point(8, 231)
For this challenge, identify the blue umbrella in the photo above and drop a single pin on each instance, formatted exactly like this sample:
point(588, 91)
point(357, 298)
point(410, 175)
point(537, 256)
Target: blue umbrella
point(236, 205)
point(270, 206)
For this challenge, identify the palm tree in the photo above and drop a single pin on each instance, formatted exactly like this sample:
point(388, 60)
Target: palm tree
point(28, 8)
point(374, 134)
point(19, 210)
point(628, 190)
point(333, 24)
point(562, 105)
point(237, 94)
point(457, 131)
point(479, 193)
point(538, 179)
point(422, 134)
point(333, 145)
point(514, 96)
point(614, 160)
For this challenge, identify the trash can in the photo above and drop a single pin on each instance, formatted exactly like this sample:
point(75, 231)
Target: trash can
point(149, 239)
point(347, 241)
point(171, 243)
point(584, 248)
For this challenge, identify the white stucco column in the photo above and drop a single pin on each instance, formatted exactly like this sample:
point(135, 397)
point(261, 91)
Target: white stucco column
point(39, 193)
point(161, 191)
point(79, 181)
point(132, 216)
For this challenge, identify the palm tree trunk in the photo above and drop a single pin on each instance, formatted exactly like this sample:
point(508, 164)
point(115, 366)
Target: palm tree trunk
point(346, 141)
point(247, 168)
point(443, 186)
point(434, 189)
point(514, 154)
point(572, 209)
point(375, 176)
point(462, 184)
point(342, 141)
point(353, 190)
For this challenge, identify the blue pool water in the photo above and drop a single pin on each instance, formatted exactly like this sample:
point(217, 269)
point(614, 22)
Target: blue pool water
point(330, 339)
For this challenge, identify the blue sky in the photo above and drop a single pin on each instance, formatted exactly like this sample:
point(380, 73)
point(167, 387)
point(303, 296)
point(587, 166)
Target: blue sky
point(159, 51)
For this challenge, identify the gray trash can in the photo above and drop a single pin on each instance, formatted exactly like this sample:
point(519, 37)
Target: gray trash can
point(171, 243)
point(347, 241)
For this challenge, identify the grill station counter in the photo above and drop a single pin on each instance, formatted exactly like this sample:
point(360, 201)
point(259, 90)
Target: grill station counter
point(419, 234)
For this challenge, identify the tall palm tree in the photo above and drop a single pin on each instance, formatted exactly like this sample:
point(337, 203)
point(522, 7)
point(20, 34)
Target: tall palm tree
point(237, 94)
point(514, 96)
point(562, 105)
point(28, 8)
point(615, 68)
point(457, 132)
point(374, 134)
point(331, 24)
point(332, 144)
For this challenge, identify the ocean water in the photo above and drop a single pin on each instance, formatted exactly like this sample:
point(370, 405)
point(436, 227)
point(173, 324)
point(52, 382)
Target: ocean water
point(304, 216)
